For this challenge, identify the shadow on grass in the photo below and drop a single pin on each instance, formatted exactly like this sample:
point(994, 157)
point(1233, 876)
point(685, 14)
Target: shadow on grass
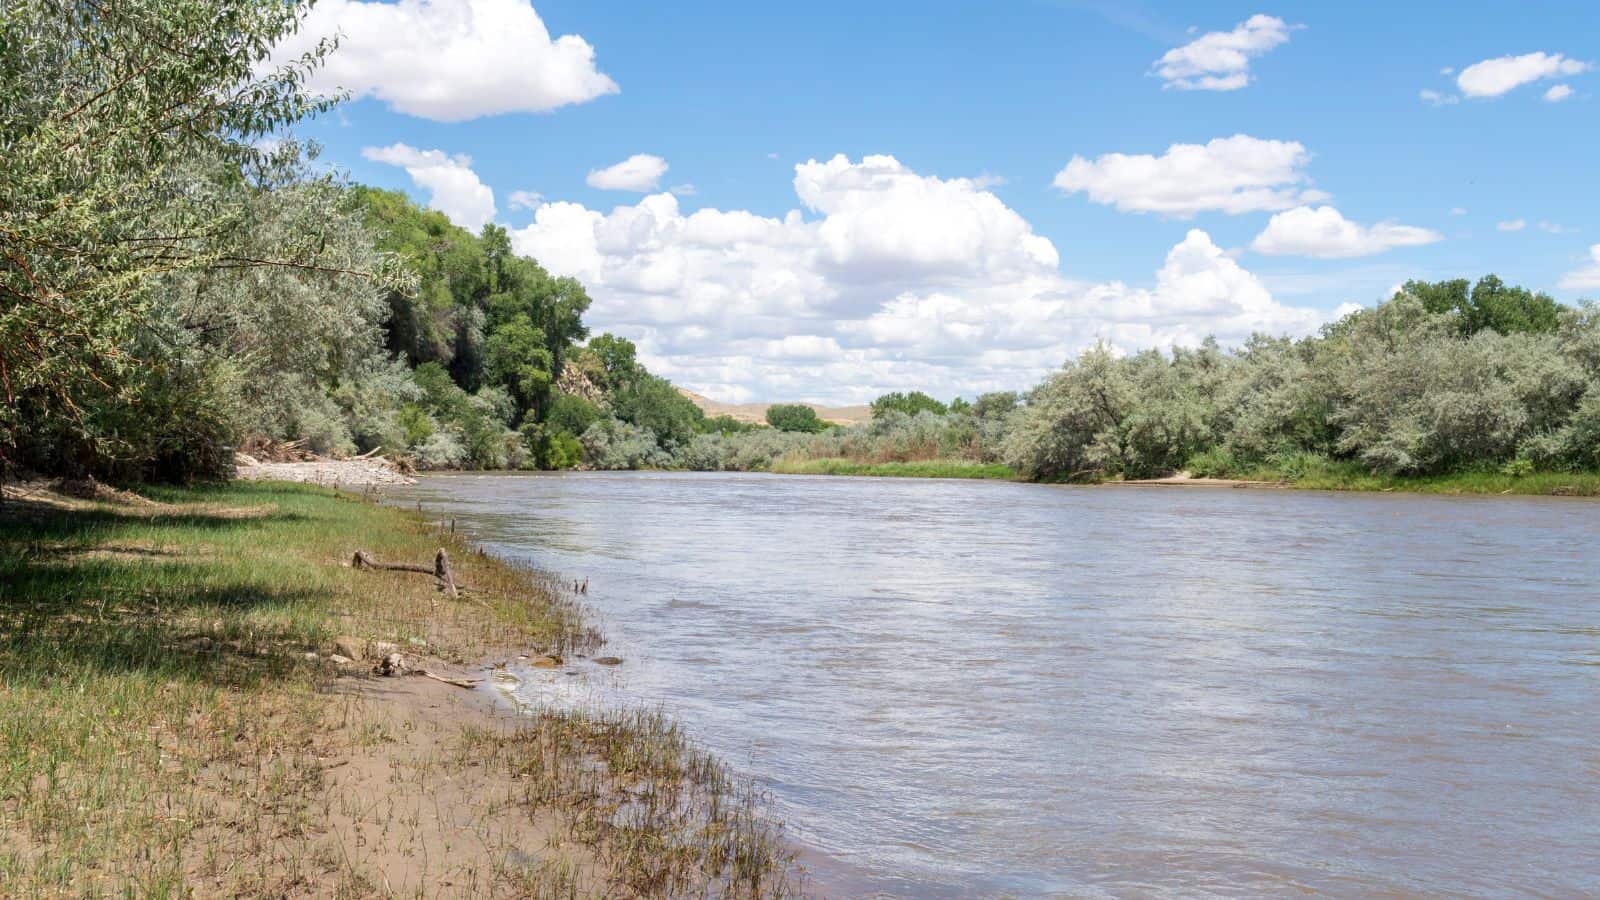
point(87, 592)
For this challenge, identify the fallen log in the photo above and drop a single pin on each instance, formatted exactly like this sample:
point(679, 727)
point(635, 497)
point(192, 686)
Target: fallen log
point(440, 569)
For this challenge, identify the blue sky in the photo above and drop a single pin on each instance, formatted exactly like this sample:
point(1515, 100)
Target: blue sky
point(903, 275)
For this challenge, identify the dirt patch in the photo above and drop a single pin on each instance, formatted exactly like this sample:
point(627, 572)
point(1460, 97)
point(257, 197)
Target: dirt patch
point(73, 494)
point(412, 810)
point(41, 499)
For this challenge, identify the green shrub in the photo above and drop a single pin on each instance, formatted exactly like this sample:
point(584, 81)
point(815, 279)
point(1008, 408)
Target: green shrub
point(793, 417)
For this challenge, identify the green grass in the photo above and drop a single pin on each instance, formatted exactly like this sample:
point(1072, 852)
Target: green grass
point(1303, 471)
point(163, 731)
point(936, 468)
point(1312, 472)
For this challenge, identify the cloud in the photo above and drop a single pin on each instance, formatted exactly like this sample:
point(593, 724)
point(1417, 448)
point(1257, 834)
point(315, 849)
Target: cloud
point(1458, 211)
point(640, 172)
point(1220, 60)
point(1512, 225)
point(1555, 228)
point(524, 200)
point(1558, 93)
point(683, 190)
point(1586, 278)
point(1326, 234)
point(453, 188)
point(448, 60)
point(1437, 99)
point(883, 279)
point(1234, 175)
point(1501, 75)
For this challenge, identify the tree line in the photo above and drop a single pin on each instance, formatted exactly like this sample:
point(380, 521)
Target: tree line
point(1444, 377)
point(176, 273)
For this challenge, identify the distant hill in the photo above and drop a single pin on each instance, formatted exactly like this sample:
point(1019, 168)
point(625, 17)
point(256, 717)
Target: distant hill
point(757, 412)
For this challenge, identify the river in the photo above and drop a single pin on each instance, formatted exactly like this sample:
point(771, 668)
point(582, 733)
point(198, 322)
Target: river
point(992, 689)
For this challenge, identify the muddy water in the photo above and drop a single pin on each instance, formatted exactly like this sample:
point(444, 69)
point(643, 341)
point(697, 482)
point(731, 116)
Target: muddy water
point(961, 689)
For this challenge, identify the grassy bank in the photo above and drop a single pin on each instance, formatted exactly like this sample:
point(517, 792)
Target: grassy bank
point(1310, 472)
point(1303, 472)
point(934, 468)
point(172, 722)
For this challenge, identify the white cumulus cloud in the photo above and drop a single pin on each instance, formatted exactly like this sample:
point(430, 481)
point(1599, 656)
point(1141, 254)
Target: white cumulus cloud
point(453, 188)
point(1586, 278)
point(883, 279)
point(640, 172)
point(1503, 74)
point(1512, 225)
point(1220, 60)
point(1325, 233)
point(1234, 175)
point(1558, 93)
point(448, 60)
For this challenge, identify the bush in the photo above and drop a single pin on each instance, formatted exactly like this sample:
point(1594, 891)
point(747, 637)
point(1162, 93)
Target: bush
point(794, 417)
point(444, 449)
point(614, 444)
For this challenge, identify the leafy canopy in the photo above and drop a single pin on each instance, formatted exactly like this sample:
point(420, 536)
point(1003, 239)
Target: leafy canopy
point(910, 404)
point(794, 417)
point(1489, 305)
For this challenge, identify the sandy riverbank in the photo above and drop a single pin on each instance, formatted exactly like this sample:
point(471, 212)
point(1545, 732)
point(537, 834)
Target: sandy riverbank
point(1184, 479)
point(340, 473)
point(188, 685)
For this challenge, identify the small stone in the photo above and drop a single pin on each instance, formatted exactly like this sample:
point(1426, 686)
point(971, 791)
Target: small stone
point(310, 655)
point(608, 660)
point(340, 660)
point(416, 642)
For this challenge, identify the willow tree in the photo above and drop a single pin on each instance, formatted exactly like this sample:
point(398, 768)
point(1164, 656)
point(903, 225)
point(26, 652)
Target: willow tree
point(132, 140)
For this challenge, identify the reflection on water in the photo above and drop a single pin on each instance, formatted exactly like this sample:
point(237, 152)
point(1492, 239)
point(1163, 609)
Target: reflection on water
point(955, 688)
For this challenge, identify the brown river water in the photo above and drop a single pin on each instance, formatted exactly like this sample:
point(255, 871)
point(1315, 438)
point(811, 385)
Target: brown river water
point(991, 689)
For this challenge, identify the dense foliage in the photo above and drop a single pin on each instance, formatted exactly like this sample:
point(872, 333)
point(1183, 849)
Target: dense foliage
point(794, 417)
point(908, 403)
point(1442, 378)
point(177, 273)
point(130, 162)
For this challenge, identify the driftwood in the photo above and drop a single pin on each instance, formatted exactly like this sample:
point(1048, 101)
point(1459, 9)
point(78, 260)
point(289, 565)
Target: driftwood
point(458, 682)
point(440, 569)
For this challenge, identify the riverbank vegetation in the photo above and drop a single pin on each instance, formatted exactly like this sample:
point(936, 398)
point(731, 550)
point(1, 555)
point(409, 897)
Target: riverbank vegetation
point(180, 273)
point(1446, 386)
point(173, 718)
